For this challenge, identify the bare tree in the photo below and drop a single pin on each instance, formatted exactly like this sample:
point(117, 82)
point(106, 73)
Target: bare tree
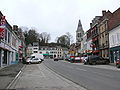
point(64, 39)
point(44, 38)
point(70, 37)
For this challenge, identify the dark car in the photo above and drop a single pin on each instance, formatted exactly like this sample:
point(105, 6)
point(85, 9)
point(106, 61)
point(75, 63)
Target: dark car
point(56, 59)
point(118, 63)
point(92, 60)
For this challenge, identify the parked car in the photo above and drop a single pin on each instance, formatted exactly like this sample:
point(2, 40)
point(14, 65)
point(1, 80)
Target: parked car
point(71, 59)
point(67, 58)
point(85, 60)
point(36, 55)
point(92, 60)
point(35, 60)
point(55, 59)
point(28, 60)
point(118, 63)
point(82, 59)
point(76, 59)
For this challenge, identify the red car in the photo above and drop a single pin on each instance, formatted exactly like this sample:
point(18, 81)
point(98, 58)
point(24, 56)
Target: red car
point(118, 63)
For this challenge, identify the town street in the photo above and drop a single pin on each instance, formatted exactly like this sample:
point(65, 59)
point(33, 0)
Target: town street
point(67, 76)
point(90, 77)
point(39, 77)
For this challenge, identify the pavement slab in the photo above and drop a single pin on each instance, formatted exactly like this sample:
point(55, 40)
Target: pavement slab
point(39, 77)
point(8, 73)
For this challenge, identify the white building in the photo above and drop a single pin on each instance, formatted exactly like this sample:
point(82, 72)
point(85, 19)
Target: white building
point(9, 46)
point(11, 43)
point(47, 51)
point(33, 48)
point(53, 52)
point(114, 43)
point(84, 43)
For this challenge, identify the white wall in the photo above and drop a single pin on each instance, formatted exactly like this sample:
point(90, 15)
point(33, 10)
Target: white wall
point(114, 37)
point(88, 45)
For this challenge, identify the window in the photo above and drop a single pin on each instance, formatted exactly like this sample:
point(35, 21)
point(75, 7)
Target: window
point(118, 37)
point(35, 48)
point(5, 35)
point(9, 37)
point(35, 51)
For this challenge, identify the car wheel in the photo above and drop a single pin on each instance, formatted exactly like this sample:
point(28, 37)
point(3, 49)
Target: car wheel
point(107, 63)
point(118, 66)
point(39, 62)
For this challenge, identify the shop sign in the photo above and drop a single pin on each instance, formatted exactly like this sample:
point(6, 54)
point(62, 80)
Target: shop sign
point(2, 32)
point(2, 27)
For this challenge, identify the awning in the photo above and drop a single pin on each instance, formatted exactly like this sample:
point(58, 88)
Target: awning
point(46, 54)
point(96, 51)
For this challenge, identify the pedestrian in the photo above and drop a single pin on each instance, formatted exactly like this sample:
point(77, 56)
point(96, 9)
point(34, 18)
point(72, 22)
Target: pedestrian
point(23, 60)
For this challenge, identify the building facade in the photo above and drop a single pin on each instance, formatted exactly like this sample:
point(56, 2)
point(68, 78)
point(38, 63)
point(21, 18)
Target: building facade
point(11, 46)
point(114, 44)
point(79, 37)
point(47, 50)
point(114, 36)
point(95, 35)
point(103, 34)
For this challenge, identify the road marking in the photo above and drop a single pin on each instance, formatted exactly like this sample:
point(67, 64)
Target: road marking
point(41, 71)
point(81, 69)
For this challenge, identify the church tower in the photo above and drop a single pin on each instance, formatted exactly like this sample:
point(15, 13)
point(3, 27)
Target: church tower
point(79, 32)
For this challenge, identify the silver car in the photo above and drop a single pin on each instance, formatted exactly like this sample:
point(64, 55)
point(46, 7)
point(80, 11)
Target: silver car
point(34, 60)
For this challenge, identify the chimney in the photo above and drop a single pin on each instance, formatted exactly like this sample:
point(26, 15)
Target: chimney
point(103, 12)
point(90, 25)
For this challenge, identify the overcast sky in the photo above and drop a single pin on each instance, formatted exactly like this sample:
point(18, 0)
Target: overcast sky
point(55, 16)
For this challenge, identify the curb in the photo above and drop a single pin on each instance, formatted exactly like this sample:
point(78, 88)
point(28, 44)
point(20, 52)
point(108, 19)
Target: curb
point(112, 64)
point(57, 74)
point(8, 87)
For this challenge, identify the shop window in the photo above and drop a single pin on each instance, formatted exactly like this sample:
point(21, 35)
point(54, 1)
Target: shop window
point(35, 51)
point(40, 52)
point(118, 57)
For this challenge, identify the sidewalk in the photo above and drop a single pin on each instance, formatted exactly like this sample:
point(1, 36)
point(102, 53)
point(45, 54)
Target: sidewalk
point(7, 74)
point(40, 77)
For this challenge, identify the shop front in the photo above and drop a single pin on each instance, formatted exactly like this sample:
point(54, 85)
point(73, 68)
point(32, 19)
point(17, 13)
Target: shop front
point(114, 54)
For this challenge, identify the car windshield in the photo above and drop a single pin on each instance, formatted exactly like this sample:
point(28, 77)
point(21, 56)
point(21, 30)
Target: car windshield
point(35, 59)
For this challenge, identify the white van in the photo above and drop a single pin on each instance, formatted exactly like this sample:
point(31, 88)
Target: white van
point(33, 56)
point(37, 55)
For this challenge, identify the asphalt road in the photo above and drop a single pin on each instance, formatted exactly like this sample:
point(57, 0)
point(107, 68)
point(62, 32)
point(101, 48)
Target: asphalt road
point(89, 77)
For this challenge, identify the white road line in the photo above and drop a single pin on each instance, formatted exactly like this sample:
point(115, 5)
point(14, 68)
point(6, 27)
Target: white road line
point(43, 75)
point(81, 69)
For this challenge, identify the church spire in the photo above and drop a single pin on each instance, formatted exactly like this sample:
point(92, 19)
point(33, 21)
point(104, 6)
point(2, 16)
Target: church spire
point(79, 32)
point(79, 28)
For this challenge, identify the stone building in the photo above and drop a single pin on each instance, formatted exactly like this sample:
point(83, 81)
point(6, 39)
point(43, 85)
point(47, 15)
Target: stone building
point(79, 37)
point(103, 34)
